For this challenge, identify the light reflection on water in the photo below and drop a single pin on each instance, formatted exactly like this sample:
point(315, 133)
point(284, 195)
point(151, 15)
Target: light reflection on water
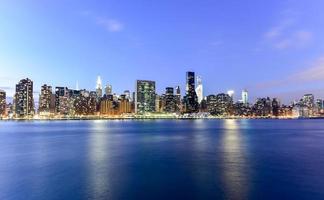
point(98, 160)
point(163, 159)
point(235, 174)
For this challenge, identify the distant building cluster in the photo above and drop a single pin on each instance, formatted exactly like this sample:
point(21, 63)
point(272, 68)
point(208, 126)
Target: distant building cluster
point(62, 102)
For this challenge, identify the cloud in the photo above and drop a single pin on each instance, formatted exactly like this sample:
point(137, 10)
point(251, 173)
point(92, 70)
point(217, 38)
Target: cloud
point(313, 73)
point(286, 34)
point(111, 25)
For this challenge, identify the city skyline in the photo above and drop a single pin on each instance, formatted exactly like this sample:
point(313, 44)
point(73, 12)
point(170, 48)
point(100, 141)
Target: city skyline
point(274, 51)
point(145, 101)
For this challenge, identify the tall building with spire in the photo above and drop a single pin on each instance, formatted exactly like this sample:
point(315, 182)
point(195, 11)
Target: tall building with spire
point(199, 89)
point(24, 100)
point(245, 97)
point(99, 87)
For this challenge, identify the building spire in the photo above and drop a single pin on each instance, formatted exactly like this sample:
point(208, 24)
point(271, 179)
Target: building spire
point(99, 83)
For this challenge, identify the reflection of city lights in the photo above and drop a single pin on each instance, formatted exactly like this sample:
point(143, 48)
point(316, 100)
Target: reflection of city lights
point(235, 171)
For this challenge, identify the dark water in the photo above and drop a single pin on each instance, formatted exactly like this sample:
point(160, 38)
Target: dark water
point(162, 159)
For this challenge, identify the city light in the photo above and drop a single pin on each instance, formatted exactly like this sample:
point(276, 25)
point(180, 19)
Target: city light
point(144, 102)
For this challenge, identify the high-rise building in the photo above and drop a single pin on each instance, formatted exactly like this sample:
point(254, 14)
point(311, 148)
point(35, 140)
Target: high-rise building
point(262, 107)
point(24, 100)
point(107, 106)
point(99, 87)
point(309, 103)
point(45, 98)
point(219, 104)
point(2, 103)
point(199, 89)
point(108, 89)
point(308, 100)
point(145, 96)
point(245, 97)
point(178, 99)
point(191, 99)
point(169, 104)
point(61, 100)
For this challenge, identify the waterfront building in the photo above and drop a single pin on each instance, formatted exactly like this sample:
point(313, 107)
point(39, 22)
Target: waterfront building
point(220, 104)
point(319, 106)
point(190, 100)
point(124, 104)
point(24, 100)
point(169, 105)
point(275, 105)
point(262, 107)
point(178, 99)
point(92, 102)
point(145, 96)
point(61, 100)
point(158, 103)
point(45, 99)
point(2, 103)
point(241, 109)
point(107, 106)
point(199, 89)
point(308, 102)
point(99, 87)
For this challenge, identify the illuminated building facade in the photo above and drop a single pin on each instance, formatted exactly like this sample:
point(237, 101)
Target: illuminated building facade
point(191, 99)
point(245, 97)
point(199, 89)
point(145, 96)
point(45, 99)
point(61, 100)
point(169, 105)
point(24, 100)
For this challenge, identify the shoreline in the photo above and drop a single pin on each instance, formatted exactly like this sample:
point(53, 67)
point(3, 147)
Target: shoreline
point(157, 118)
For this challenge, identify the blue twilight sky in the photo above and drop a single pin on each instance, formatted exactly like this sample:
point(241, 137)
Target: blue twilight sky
point(272, 48)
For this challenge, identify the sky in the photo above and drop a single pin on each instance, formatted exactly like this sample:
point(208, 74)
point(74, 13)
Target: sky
point(271, 48)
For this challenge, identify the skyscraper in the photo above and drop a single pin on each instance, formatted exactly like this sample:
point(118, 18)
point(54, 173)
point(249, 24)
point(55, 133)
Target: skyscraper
point(24, 100)
point(169, 100)
point(199, 89)
point(99, 87)
point(309, 103)
point(45, 98)
point(191, 99)
point(61, 100)
point(145, 96)
point(2, 103)
point(245, 97)
point(178, 99)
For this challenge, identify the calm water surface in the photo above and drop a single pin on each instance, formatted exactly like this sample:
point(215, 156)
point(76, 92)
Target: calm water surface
point(162, 159)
